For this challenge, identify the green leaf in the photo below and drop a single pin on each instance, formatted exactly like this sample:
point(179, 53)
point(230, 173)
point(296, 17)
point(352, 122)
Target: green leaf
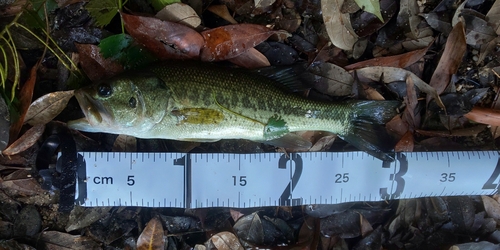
point(113, 45)
point(371, 6)
point(103, 11)
point(275, 128)
point(160, 4)
point(122, 49)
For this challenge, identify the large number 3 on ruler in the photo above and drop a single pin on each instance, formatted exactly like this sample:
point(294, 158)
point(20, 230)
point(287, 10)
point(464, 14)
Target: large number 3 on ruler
point(397, 178)
point(287, 193)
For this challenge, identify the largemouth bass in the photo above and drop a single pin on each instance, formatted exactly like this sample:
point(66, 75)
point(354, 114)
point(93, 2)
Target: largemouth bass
point(203, 102)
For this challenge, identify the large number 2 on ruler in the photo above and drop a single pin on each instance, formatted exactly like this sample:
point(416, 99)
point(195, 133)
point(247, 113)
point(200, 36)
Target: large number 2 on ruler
point(287, 193)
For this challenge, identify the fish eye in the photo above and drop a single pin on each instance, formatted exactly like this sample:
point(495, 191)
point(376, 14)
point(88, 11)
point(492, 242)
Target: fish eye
point(104, 90)
point(132, 102)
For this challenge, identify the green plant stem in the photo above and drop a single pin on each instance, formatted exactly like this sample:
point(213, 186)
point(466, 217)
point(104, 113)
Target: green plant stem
point(48, 47)
point(17, 74)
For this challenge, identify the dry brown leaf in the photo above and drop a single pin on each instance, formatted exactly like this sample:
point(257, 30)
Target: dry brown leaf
point(251, 59)
point(47, 107)
point(95, 66)
point(57, 240)
point(408, 17)
point(406, 143)
point(484, 115)
point(125, 143)
point(167, 40)
point(221, 11)
point(338, 25)
point(411, 100)
point(225, 241)
point(369, 93)
point(323, 143)
point(21, 187)
point(450, 59)
point(152, 236)
point(24, 142)
point(229, 41)
point(398, 61)
point(179, 13)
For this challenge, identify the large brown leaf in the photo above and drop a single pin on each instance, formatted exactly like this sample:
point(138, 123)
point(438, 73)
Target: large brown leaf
point(229, 41)
point(450, 60)
point(485, 116)
point(166, 40)
point(24, 142)
point(338, 25)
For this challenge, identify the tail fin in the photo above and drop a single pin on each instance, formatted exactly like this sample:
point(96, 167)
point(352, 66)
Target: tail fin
point(367, 131)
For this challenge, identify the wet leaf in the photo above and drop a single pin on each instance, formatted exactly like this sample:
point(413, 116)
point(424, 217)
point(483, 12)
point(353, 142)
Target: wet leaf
point(251, 59)
point(225, 241)
point(484, 115)
point(390, 74)
point(94, 64)
point(438, 22)
point(221, 10)
point(408, 17)
point(477, 30)
point(405, 144)
point(26, 94)
point(152, 236)
point(371, 6)
point(125, 143)
point(24, 142)
point(81, 217)
point(249, 228)
point(275, 128)
point(59, 240)
point(179, 13)
point(166, 40)
point(103, 11)
point(397, 61)
point(330, 79)
point(338, 25)
point(47, 107)
point(450, 60)
point(493, 16)
point(229, 41)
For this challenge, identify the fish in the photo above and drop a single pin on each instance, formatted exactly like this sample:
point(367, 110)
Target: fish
point(204, 102)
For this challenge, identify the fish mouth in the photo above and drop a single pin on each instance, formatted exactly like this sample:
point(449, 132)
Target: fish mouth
point(96, 114)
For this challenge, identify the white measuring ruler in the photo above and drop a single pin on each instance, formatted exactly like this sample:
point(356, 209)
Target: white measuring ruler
point(274, 179)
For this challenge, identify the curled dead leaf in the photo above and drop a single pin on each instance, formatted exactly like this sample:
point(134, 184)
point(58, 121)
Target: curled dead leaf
point(221, 10)
point(47, 107)
point(179, 13)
